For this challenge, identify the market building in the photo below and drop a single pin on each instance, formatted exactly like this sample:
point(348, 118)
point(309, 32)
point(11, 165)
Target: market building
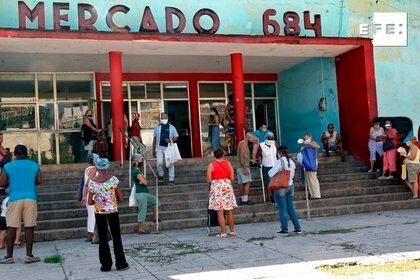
point(292, 65)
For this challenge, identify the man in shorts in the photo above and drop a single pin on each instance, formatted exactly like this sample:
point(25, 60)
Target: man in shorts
point(23, 176)
point(244, 172)
point(331, 141)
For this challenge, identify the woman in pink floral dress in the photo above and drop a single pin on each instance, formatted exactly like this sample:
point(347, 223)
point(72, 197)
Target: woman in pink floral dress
point(221, 197)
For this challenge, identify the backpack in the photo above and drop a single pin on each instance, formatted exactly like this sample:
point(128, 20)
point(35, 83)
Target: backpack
point(309, 161)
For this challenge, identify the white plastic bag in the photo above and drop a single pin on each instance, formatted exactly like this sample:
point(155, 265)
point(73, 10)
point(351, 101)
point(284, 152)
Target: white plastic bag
point(132, 201)
point(172, 154)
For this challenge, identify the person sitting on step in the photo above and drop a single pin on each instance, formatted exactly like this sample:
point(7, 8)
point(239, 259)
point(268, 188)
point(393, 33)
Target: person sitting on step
point(332, 142)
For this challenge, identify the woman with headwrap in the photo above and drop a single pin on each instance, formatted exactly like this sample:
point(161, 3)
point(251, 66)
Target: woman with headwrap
point(105, 193)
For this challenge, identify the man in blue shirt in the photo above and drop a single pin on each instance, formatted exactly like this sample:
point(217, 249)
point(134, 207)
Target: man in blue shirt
point(262, 133)
point(23, 176)
point(164, 134)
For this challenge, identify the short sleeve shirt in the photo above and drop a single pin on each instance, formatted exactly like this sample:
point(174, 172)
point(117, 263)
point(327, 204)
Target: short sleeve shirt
point(105, 195)
point(140, 188)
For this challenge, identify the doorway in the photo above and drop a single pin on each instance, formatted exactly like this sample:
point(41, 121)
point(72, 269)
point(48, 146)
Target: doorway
point(265, 109)
point(178, 114)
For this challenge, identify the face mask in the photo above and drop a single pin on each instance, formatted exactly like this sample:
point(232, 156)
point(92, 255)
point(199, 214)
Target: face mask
point(164, 121)
point(263, 130)
point(212, 113)
point(387, 126)
point(408, 143)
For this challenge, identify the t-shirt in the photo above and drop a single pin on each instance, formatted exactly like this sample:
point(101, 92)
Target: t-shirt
point(4, 207)
point(140, 188)
point(164, 134)
point(262, 136)
point(22, 175)
point(105, 195)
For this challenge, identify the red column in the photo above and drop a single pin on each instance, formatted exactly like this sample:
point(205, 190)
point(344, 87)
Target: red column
point(238, 95)
point(117, 104)
point(195, 117)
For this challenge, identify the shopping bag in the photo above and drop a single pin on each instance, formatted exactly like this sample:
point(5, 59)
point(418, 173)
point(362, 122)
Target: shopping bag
point(309, 160)
point(172, 154)
point(132, 201)
point(280, 180)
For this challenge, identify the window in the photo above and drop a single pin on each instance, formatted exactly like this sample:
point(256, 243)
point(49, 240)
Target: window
point(47, 116)
point(264, 89)
point(17, 88)
point(212, 90)
point(17, 117)
point(70, 115)
point(74, 87)
point(47, 148)
point(106, 91)
point(153, 91)
point(45, 87)
point(138, 91)
point(247, 90)
point(175, 91)
point(149, 114)
point(71, 147)
point(10, 140)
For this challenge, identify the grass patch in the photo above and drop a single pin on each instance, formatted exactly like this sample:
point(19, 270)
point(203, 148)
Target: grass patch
point(335, 231)
point(261, 238)
point(164, 252)
point(348, 246)
point(355, 269)
point(53, 259)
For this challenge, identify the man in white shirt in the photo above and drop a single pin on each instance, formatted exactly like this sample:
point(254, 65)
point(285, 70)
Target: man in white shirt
point(268, 155)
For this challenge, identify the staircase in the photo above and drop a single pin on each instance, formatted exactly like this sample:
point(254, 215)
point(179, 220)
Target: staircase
point(346, 188)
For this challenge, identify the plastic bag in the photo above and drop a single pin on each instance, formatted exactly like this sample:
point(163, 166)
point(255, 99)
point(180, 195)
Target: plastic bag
point(132, 201)
point(172, 154)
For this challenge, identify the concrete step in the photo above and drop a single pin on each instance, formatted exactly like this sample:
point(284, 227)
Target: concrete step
point(248, 217)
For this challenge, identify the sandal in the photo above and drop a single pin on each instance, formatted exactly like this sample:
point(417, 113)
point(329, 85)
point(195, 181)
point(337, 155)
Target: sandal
point(233, 234)
point(32, 259)
point(7, 260)
point(222, 235)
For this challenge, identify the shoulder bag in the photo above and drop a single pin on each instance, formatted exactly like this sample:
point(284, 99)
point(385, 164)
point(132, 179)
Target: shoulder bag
point(281, 179)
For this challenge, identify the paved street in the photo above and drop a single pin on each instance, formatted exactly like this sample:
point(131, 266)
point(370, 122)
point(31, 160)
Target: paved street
point(256, 254)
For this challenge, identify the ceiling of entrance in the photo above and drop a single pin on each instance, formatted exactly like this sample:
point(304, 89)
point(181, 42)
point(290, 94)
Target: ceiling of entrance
point(18, 54)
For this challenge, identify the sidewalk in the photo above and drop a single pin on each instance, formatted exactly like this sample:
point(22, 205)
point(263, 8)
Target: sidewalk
point(257, 253)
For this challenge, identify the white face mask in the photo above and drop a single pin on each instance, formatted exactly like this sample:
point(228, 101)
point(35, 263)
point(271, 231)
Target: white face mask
point(164, 121)
point(387, 126)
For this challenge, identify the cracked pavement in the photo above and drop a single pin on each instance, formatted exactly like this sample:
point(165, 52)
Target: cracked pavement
point(190, 254)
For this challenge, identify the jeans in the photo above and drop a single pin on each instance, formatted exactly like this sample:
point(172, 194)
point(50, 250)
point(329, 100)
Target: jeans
point(113, 221)
point(215, 137)
point(160, 155)
point(284, 201)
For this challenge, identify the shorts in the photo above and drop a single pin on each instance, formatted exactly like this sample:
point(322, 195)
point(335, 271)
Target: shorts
point(3, 225)
point(26, 209)
point(413, 170)
point(243, 179)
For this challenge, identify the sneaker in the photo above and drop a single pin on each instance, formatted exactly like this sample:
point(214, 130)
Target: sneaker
point(297, 231)
point(382, 177)
point(171, 183)
point(282, 232)
point(389, 177)
point(370, 171)
point(7, 260)
point(32, 259)
point(378, 170)
point(242, 203)
point(160, 179)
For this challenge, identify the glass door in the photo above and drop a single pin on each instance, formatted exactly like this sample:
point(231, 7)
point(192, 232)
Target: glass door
point(265, 112)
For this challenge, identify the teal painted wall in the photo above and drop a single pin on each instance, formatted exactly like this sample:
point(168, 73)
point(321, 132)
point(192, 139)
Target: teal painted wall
point(300, 89)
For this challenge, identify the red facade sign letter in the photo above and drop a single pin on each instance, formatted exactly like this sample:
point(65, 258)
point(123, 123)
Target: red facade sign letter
point(84, 23)
point(110, 21)
point(58, 17)
point(37, 12)
point(171, 11)
point(267, 22)
point(148, 22)
point(316, 26)
point(291, 21)
point(214, 17)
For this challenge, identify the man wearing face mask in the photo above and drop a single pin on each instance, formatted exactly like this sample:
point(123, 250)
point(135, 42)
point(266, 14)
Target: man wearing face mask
point(310, 164)
point(262, 133)
point(164, 134)
point(268, 154)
